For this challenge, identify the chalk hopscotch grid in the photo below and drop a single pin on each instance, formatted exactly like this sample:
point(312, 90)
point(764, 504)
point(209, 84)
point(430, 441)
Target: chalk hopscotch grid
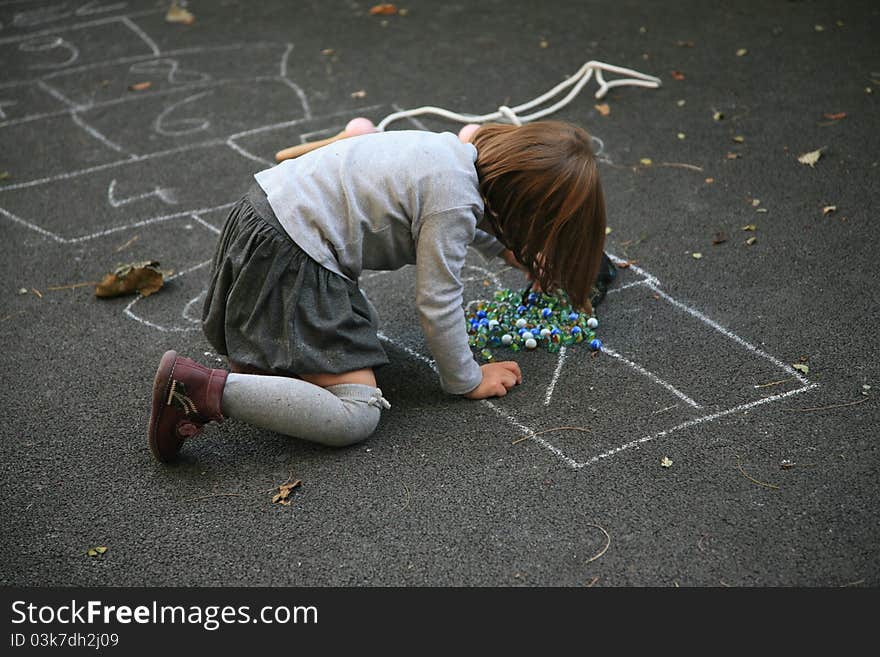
point(647, 280)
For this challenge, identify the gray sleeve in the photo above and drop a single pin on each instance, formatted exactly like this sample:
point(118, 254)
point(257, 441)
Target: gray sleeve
point(441, 248)
point(486, 244)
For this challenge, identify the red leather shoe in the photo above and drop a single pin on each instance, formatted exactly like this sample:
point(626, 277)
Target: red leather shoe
point(186, 396)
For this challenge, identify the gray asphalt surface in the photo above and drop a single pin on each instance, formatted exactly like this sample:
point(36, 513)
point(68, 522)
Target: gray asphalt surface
point(442, 494)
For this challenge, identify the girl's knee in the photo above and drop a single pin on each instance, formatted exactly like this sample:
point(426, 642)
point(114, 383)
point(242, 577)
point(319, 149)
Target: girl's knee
point(363, 409)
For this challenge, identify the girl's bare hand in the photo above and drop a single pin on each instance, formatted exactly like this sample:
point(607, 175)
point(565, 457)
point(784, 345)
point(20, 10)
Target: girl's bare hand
point(498, 378)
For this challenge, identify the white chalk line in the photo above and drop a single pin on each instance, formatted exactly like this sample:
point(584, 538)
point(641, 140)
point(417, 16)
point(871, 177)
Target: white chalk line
point(77, 26)
point(126, 20)
point(78, 120)
point(198, 219)
point(128, 312)
point(620, 288)
point(114, 229)
point(230, 141)
point(57, 95)
point(730, 334)
point(189, 305)
point(694, 422)
point(132, 59)
point(109, 165)
point(656, 379)
point(507, 416)
point(559, 362)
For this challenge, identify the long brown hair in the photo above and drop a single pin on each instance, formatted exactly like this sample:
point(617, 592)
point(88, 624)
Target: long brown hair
point(540, 183)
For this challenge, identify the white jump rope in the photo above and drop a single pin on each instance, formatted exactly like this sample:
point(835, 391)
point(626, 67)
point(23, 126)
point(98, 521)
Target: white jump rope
point(360, 125)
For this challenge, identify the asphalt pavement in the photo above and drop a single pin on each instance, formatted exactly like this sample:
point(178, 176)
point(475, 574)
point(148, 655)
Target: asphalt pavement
point(727, 434)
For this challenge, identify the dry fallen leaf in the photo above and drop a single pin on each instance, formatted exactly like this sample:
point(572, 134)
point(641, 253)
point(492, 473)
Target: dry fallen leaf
point(811, 158)
point(719, 238)
point(678, 75)
point(281, 497)
point(800, 367)
point(384, 9)
point(604, 109)
point(828, 209)
point(681, 135)
point(177, 14)
point(739, 139)
point(646, 161)
point(681, 103)
point(608, 230)
point(360, 93)
point(96, 551)
point(140, 86)
point(742, 52)
point(709, 181)
point(836, 116)
point(142, 277)
point(665, 462)
point(717, 116)
point(756, 202)
point(685, 44)
point(733, 156)
point(750, 227)
point(696, 256)
point(751, 241)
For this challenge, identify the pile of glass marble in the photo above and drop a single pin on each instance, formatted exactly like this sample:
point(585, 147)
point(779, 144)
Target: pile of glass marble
point(518, 320)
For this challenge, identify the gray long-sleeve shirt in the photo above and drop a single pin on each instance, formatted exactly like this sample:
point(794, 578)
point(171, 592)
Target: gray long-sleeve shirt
point(384, 200)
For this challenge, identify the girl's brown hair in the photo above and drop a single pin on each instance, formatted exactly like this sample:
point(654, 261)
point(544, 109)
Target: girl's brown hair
point(540, 183)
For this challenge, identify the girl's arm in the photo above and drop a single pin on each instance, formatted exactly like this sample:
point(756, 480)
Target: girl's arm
point(441, 247)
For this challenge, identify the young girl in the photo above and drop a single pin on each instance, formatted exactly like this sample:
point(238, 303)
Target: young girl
point(283, 302)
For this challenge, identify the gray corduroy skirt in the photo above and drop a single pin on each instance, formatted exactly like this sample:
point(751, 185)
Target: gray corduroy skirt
point(270, 307)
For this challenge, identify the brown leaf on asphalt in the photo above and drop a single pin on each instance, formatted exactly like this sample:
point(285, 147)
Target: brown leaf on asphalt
point(360, 93)
point(685, 44)
point(138, 277)
point(284, 490)
point(140, 86)
point(719, 238)
point(678, 75)
point(603, 108)
point(836, 116)
point(384, 9)
point(177, 14)
point(733, 156)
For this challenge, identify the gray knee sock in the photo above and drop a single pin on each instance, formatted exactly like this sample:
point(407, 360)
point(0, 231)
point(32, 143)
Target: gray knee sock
point(338, 415)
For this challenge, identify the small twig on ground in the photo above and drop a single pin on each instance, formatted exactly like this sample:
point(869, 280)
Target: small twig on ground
point(607, 542)
point(72, 286)
point(408, 498)
point(723, 583)
point(700, 544)
point(680, 165)
point(37, 292)
point(856, 583)
point(593, 581)
point(750, 478)
point(127, 244)
point(537, 433)
point(663, 410)
point(772, 383)
point(825, 408)
point(11, 315)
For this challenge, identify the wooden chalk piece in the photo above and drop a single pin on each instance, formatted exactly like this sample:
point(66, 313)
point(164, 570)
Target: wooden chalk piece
point(302, 149)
